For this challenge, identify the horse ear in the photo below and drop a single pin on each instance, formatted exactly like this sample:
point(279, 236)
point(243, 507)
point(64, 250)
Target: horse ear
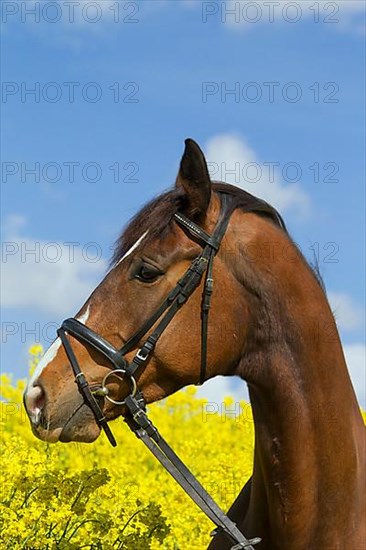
point(194, 178)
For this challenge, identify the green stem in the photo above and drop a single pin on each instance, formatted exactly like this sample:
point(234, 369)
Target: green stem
point(65, 530)
point(80, 490)
point(126, 525)
point(32, 532)
point(27, 497)
point(81, 524)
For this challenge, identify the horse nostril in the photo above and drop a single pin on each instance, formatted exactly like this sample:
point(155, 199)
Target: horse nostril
point(34, 402)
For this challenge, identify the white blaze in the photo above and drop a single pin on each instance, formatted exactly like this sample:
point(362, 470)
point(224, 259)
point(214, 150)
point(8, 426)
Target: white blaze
point(45, 360)
point(133, 247)
point(52, 351)
point(85, 316)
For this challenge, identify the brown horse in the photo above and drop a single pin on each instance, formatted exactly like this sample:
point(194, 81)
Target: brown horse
point(270, 323)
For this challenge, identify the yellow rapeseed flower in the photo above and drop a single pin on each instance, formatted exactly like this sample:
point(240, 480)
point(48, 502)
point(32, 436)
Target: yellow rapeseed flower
point(36, 350)
point(65, 496)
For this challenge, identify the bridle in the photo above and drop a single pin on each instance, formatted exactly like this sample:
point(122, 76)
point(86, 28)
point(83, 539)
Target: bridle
point(137, 418)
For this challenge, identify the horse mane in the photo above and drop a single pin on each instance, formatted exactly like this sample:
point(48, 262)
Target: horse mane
point(157, 215)
point(156, 218)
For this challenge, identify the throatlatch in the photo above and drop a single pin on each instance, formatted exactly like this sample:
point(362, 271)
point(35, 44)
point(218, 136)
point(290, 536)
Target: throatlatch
point(137, 419)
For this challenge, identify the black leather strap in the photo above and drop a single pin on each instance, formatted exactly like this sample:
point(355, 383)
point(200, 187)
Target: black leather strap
point(84, 388)
point(86, 335)
point(205, 308)
point(144, 429)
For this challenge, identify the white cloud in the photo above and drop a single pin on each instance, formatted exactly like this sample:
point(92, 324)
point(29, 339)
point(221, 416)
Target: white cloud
point(356, 361)
point(232, 160)
point(51, 277)
point(341, 15)
point(72, 23)
point(348, 314)
point(95, 16)
point(13, 223)
point(216, 389)
point(221, 387)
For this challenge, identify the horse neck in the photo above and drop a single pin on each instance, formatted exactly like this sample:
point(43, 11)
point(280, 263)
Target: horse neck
point(308, 427)
point(308, 456)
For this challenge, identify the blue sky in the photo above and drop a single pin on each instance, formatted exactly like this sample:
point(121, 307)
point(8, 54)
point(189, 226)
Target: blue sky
point(278, 106)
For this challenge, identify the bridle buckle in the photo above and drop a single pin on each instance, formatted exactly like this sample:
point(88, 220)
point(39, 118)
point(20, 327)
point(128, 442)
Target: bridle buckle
point(142, 354)
point(243, 545)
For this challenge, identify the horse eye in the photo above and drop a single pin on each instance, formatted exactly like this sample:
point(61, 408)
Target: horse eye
point(148, 274)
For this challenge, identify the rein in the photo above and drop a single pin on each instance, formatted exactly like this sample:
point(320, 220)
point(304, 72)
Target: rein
point(137, 420)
